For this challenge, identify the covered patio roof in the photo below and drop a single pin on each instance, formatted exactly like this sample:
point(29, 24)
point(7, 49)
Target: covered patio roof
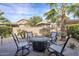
point(43, 23)
point(72, 21)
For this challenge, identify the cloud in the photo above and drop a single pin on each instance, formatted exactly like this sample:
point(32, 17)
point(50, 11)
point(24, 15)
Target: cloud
point(23, 8)
point(16, 11)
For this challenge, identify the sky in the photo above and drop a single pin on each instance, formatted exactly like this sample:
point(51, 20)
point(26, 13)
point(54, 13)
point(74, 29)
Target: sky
point(18, 11)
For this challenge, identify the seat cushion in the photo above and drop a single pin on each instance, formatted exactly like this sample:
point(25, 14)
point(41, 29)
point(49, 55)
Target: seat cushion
point(54, 47)
point(21, 44)
point(67, 51)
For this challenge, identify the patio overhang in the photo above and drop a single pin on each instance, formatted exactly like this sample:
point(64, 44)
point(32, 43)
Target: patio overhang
point(14, 25)
point(73, 21)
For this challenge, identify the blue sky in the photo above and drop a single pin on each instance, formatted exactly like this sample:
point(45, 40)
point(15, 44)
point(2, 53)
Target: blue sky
point(17, 11)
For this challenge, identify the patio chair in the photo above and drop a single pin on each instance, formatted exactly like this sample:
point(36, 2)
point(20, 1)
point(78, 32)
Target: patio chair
point(21, 46)
point(29, 35)
point(59, 50)
point(53, 37)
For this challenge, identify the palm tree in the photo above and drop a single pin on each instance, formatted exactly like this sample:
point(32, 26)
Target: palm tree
point(34, 20)
point(62, 10)
point(4, 20)
point(1, 13)
point(74, 10)
point(51, 15)
point(6, 29)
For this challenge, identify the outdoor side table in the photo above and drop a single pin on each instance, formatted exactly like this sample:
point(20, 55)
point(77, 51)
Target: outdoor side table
point(39, 44)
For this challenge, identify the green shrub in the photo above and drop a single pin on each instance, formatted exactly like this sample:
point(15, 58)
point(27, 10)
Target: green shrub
point(72, 45)
point(5, 31)
point(73, 30)
point(45, 32)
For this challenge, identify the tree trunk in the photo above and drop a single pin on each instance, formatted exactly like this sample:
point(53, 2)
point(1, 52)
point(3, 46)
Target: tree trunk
point(63, 22)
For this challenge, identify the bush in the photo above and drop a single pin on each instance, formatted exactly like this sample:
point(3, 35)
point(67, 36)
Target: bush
point(45, 32)
point(72, 45)
point(5, 31)
point(74, 31)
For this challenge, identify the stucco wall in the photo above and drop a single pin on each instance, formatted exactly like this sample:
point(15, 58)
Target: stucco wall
point(35, 30)
point(23, 25)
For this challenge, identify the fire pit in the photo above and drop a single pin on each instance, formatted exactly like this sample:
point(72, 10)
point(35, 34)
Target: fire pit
point(39, 44)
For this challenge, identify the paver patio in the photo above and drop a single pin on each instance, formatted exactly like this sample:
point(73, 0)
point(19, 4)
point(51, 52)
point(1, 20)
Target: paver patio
point(8, 48)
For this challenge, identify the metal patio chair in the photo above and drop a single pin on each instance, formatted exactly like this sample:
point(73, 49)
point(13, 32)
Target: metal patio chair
point(58, 49)
point(21, 46)
point(29, 36)
point(53, 37)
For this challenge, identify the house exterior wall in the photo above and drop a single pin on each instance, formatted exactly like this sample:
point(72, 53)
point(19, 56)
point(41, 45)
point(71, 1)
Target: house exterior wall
point(23, 25)
point(35, 30)
point(15, 30)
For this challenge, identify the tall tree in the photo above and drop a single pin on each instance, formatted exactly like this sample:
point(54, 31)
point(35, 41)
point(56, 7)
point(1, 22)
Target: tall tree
point(74, 10)
point(51, 15)
point(5, 29)
point(34, 20)
point(1, 15)
point(63, 9)
point(3, 19)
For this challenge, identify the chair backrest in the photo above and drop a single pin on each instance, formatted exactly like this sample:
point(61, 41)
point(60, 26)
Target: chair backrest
point(15, 39)
point(53, 36)
point(29, 34)
point(65, 44)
